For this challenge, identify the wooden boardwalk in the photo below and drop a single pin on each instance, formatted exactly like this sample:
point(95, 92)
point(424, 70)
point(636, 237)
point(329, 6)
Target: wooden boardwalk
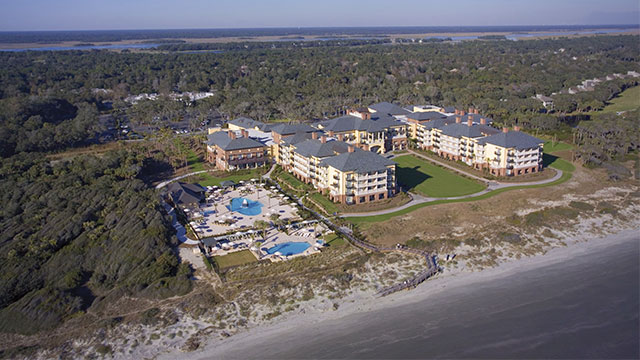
point(432, 265)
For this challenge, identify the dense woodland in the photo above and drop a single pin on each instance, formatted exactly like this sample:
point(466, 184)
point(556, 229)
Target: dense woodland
point(80, 232)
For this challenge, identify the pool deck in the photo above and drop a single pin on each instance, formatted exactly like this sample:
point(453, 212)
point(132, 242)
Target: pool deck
point(215, 210)
point(275, 237)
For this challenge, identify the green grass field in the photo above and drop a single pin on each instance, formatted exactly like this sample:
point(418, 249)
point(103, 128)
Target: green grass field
point(334, 240)
point(430, 180)
point(206, 179)
point(321, 200)
point(550, 146)
point(235, 259)
point(556, 162)
point(627, 100)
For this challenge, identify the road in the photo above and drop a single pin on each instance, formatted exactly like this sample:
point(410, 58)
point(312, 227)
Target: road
point(419, 199)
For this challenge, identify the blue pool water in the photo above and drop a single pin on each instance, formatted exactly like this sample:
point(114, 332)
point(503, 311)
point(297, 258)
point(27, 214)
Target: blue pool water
point(289, 248)
point(253, 207)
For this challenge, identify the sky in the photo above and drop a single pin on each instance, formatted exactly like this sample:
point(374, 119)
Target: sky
point(24, 15)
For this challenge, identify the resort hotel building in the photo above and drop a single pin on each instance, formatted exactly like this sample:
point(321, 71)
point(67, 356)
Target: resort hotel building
point(343, 157)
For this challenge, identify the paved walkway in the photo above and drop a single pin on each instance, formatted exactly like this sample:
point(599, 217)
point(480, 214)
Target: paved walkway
point(165, 183)
point(419, 199)
point(181, 232)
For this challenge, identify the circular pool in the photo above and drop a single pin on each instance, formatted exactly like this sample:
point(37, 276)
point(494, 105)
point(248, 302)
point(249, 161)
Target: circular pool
point(245, 206)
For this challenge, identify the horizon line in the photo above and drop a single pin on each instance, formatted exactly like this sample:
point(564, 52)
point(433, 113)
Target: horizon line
point(338, 27)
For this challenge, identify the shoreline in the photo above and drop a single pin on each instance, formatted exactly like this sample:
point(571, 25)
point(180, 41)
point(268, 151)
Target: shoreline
point(361, 304)
point(278, 38)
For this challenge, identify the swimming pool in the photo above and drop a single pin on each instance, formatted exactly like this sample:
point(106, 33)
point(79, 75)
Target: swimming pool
point(289, 248)
point(245, 206)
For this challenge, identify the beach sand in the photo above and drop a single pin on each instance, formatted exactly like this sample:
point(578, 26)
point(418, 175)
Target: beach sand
point(250, 342)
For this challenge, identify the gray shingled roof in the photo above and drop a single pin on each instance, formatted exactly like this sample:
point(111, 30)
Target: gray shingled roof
point(439, 123)
point(476, 118)
point(183, 193)
point(247, 123)
point(288, 129)
point(350, 123)
point(474, 131)
point(512, 139)
point(298, 137)
point(427, 115)
point(316, 148)
point(222, 139)
point(359, 161)
point(389, 108)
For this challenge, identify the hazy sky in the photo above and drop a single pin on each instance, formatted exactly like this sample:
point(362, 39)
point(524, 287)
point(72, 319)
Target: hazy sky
point(163, 14)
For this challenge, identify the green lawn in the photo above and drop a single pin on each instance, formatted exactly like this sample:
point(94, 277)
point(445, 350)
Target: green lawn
point(206, 179)
point(334, 240)
point(551, 146)
point(556, 162)
point(234, 259)
point(327, 204)
point(627, 100)
point(430, 180)
point(291, 180)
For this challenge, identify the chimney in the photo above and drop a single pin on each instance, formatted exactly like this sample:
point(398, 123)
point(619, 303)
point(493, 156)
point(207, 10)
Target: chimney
point(458, 119)
point(470, 110)
point(323, 139)
point(516, 128)
point(483, 121)
point(351, 149)
point(470, 122)
point(340, 137)
point(470, 117)
point(331, 133)
point(476, 111)
point(245, 133)
point(232, 134)
point(314, 135)
point(366, 115)
point(505, 130)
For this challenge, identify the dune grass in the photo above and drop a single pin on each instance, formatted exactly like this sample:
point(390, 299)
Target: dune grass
point(556, 163)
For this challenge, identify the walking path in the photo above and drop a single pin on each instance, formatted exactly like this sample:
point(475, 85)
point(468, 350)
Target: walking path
point(165, 183)
point(419, 199)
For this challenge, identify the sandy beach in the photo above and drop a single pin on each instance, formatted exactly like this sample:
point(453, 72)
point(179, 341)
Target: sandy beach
point(363, 305)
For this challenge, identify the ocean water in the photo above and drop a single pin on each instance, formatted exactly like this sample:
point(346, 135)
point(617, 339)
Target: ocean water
point(585, 307)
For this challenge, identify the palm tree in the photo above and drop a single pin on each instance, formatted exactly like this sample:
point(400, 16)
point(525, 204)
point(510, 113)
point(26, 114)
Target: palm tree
point(263, 226)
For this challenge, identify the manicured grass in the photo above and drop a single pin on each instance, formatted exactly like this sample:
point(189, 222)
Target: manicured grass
point(628, 100)
point(333, 240)
point(291, 180)
point(431, 180)
point(206, 179)
point(327, 204)
point(550, 146)
point(557, 163)
point(235, 259)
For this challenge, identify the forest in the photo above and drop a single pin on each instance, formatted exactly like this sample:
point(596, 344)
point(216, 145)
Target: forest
point(80, 233)
point(88, 230)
